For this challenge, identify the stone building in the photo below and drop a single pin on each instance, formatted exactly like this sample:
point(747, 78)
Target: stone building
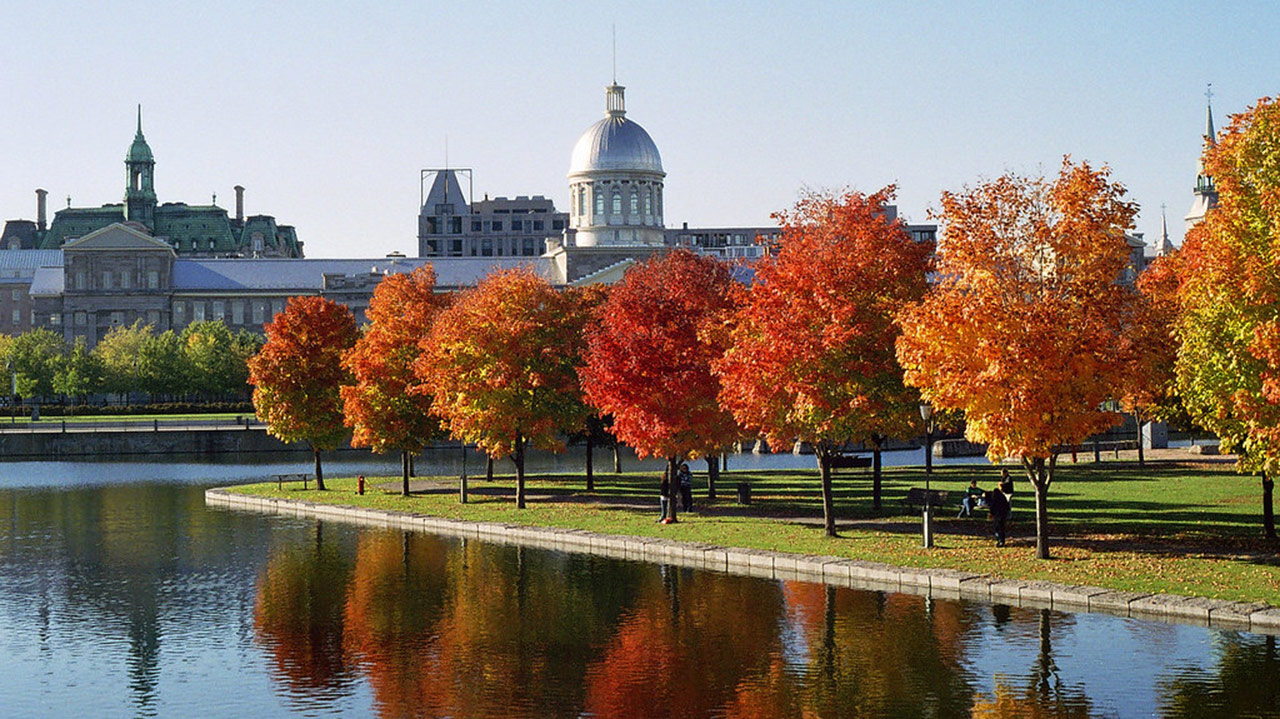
point(450, 225)
point(191, 230)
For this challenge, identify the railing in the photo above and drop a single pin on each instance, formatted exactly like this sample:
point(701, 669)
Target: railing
point(55, 425)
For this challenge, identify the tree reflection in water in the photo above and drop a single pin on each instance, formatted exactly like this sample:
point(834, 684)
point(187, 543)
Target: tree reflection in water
point(1244, 683)
point(1045, 695)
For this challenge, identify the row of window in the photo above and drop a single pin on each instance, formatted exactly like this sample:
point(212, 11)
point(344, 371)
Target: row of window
point(122, 280)
point(217, 310)
point(485, 247)
point(453, 225)
point(649, 199)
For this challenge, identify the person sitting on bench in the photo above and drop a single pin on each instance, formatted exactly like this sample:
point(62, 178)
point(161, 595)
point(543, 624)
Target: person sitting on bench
point(972, 499)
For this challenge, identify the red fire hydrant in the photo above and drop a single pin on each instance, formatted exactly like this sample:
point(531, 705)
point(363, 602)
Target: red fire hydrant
point(360, 484)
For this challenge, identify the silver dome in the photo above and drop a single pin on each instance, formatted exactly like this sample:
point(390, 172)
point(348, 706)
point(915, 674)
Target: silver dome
point(615, 143)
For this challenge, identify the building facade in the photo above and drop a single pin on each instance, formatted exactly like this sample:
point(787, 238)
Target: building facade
point(450, 225)
point(190, 230)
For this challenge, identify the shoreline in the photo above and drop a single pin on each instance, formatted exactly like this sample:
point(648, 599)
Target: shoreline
point(1256, 617)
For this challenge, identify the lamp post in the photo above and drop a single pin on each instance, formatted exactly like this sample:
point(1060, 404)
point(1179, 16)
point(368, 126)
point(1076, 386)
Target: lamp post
point(13, 391)
point(926, 414)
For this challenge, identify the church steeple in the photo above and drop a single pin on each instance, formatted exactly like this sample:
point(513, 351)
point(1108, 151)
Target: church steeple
point(1206, 194)
point(140, 193)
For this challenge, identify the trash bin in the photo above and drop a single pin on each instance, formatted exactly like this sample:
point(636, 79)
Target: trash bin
point(744, 493)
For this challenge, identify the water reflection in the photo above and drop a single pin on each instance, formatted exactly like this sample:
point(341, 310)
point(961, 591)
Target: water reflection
point(133, 599)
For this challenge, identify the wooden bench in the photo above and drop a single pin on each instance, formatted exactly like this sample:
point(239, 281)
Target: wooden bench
point(282, 478)
point(916, 497)
point(849, 461)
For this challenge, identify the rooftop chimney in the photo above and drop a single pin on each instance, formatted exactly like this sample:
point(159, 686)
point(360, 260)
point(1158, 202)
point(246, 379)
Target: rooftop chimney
point(41, 210)
point(239, 204)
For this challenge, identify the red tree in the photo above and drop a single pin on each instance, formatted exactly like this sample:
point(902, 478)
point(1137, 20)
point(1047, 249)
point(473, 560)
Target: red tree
point(500, 364)
point(649, 359)
point(380, 409)
point(297, 373)
point(812, 353)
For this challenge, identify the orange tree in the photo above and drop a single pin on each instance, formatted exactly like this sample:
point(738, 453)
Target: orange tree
point(297, 373)
point(811, 354)
point(1025, 327)
point(500, 366)
point(648, 361)
point(1229, 326)
point(379, 408)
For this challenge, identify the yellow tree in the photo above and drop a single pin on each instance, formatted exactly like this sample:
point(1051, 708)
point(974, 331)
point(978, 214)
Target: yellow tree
point(1026, 328)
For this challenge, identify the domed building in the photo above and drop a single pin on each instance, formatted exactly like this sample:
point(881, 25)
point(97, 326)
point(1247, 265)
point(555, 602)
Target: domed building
point(615, 182)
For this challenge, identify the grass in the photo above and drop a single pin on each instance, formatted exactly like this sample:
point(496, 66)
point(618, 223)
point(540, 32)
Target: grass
point(1179, 528)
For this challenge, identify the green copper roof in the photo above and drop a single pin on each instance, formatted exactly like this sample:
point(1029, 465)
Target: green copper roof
point(139, 151)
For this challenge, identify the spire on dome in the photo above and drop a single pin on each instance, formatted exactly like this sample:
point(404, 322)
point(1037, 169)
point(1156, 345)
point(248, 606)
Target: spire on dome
point(139, 135)
point(1209, 134)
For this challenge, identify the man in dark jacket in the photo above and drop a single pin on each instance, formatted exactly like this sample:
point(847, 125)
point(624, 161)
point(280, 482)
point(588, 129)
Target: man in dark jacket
point(999, 507)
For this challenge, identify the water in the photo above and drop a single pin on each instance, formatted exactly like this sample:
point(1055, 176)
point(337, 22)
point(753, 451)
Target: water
point(122, 595)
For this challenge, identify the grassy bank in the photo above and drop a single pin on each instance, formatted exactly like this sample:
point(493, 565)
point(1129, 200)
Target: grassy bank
point(1176, 528)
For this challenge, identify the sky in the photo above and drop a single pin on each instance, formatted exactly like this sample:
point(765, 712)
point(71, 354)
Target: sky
point(327, 111)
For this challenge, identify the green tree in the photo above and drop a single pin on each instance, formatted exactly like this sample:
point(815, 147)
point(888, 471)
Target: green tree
point(35, 356)
point(118, 351)
point(162, 365)
point(216, 369)
point(79, 373)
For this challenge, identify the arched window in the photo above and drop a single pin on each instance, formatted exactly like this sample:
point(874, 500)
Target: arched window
point(659, 201)
point(648, 202)
point(599, 201)
point(617, 202)
point(635, 203)
point(582, 201)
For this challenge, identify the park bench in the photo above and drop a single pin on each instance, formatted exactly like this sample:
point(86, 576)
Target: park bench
point(849, 461)
point(916, 497)
point(282, 478)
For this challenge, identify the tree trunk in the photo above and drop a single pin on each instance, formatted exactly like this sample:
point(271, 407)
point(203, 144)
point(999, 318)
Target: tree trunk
point(876, 465)
point(617, 458)
point(488, 469)
point(1040, 473)
point(404, 473)
point(517, 458)
point(828, 506)
point(413, 467)
point(591, 479)
point(713, 473)
point(319, 473)
point(673, 486)
point(1268, 514)
point(1137, 417)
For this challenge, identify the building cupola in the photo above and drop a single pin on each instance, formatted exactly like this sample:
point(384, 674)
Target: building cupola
point(140, 193)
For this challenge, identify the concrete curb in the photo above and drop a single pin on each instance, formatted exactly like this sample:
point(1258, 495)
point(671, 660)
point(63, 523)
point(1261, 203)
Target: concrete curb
point(1256, 617)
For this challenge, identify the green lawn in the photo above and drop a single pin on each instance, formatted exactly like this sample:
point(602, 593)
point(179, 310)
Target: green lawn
point(1179, 528)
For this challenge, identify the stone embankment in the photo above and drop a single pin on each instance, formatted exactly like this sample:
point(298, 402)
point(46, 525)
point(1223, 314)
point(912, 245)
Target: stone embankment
point(937, 583)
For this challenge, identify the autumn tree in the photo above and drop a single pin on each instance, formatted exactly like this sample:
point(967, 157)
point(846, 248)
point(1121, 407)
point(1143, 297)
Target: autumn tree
point(648, 361)
point(1024, 328)
point(500, 366)
point(811, 356)
point(379, 407)
point(1229, 327)
point(297, 374)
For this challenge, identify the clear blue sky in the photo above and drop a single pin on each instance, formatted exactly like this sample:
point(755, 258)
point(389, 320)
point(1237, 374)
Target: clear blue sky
point(326, 111)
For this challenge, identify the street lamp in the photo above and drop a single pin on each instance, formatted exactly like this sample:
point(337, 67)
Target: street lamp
point(13, 390)
point(926, 414)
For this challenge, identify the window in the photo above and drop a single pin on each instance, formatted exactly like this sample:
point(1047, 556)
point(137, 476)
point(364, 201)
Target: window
point(648, 203)
point(486, 247)
point(635, 203)
point(496, 226)
point(17, 317)
point(106, 279)
point(557, 224)
point(124, 280)
point(117, 318)
point(219, 310)
point(277, 306)
point(197, 312)
point(530, 246)
point(517, 225)
point(617, 203)
point(538, 225)
point(153, 318)
point(80, 280)
point(82, 319)
point(658, 201)
point(179, 314)
point(582, 201)
point(153, 280)
point(15, 294)
point(237, 312)
point(55, 319)
point(599, 202)
point(259, 312)
point(455, 225)
point(475, 226)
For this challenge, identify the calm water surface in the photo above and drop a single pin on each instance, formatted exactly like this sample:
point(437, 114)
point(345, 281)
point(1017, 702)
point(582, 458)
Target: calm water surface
point(122, 595)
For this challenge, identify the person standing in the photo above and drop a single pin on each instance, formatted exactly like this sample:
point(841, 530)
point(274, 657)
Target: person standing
point(664, 497)
point(686, 487)
point(999, 508)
